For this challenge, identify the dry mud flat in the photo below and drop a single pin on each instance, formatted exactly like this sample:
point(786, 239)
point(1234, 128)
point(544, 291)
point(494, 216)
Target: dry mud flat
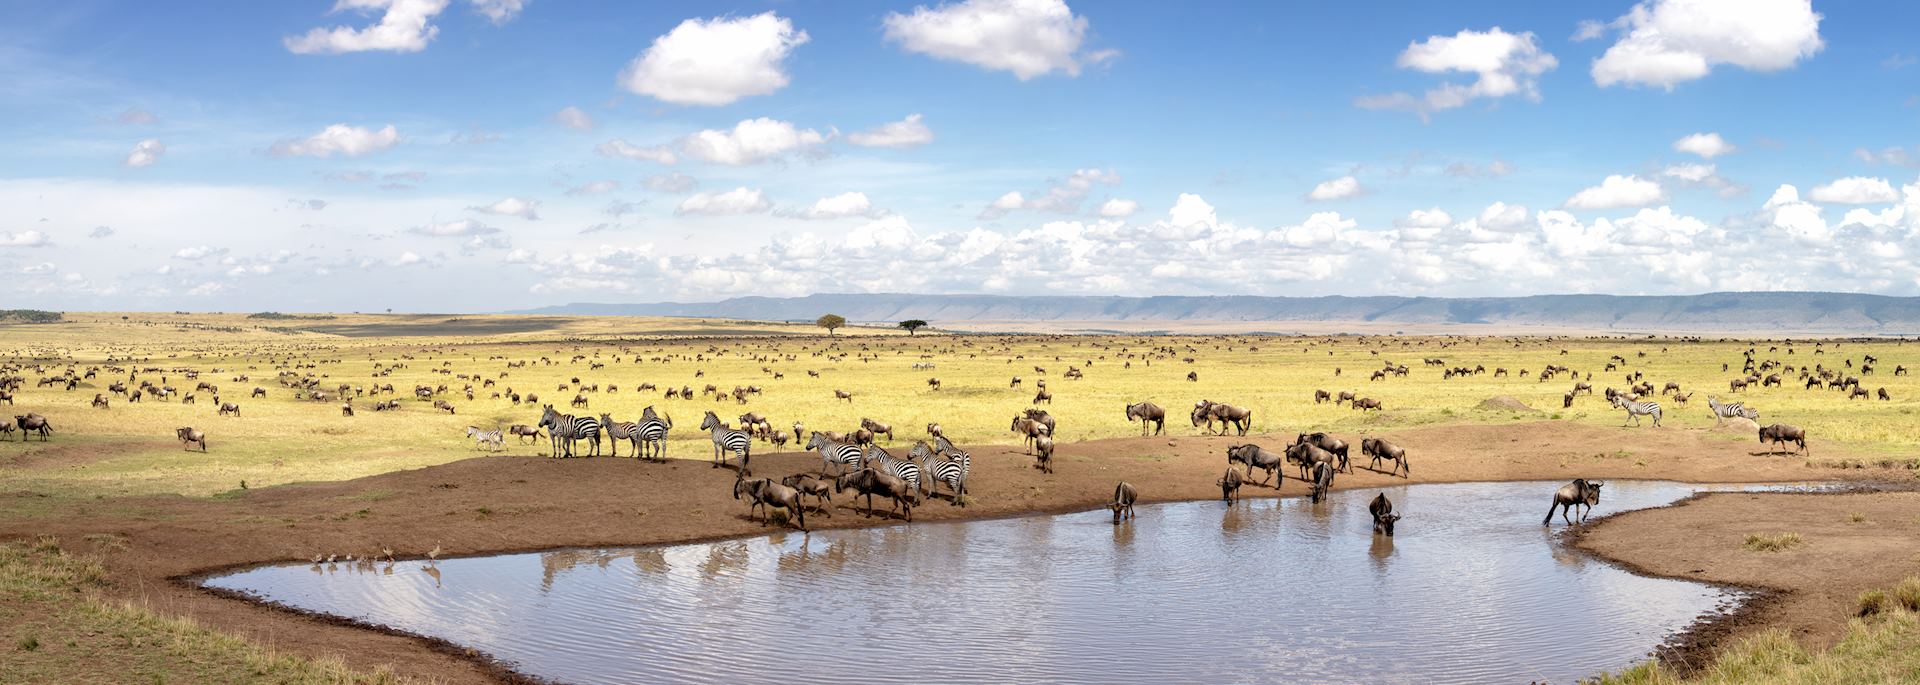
point(159, 545)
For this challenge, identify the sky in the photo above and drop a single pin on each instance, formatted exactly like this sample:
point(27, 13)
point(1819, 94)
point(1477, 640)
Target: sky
point(486, 155)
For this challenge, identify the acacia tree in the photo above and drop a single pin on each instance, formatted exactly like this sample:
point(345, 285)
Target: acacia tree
point(830, 322)
point(913, 325)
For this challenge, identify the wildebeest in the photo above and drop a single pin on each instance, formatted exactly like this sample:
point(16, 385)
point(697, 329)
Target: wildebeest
point(1780, 433)
point(1257, 457)
point(32, 423)
point(1320, 396)
point(1230, 485)
point(870, 482)
point(1882, 393)
point(437, 404)
point(843, 395)
point(808, 484)
point(1579, 493)
point(877, 427)
point(189, 436)
point(1193, 376)
point(1124, 495)
point(765, 492)
point(1043, 396)
point(228, 408)
point(1380, 449)
point(524, 431)
point(100, 400)
point(1305, 455)
point(1322, 480)
point(1148, 412)
point(1238, 418)
point(1365, 403)
point(1383, 517)
point(1043, 452)
point(1329, 443)
point(259, 392)
point(1028, 429)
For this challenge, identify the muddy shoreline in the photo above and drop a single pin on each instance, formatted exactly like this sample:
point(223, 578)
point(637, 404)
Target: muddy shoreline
point(511, 504)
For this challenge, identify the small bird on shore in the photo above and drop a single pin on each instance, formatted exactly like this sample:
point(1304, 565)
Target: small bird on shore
point(388, 551)
point(317, 559)
point(435, 552)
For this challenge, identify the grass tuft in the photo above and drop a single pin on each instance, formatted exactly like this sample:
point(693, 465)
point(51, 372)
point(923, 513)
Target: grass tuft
point(1777, 542)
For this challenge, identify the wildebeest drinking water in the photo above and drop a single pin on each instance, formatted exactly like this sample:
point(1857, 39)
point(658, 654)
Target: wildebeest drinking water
point(1124, 495)
point(1383, 517)
point(1230, 485)
point(1579, 493)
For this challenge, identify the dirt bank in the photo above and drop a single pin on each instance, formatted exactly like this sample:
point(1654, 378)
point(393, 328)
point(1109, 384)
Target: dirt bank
point(1852, 542)
point(515, 503)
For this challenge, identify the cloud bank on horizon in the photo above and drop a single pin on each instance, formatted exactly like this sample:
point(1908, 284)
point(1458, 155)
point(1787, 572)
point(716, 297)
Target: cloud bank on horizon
point(473, 155)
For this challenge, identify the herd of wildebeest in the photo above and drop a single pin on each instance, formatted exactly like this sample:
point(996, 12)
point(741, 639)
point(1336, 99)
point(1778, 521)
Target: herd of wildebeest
point(855, 460)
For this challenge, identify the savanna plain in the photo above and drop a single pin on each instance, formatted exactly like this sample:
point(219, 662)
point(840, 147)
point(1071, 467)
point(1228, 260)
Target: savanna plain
point(110, 521)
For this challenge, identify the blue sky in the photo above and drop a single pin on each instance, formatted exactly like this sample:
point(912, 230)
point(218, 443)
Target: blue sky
point(238, 155)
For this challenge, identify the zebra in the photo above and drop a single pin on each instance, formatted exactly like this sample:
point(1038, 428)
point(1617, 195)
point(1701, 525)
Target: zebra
point(727, 439)
point(838, 457)
point(621, 430)
point(1635, 410)
point(653, 433)
point(484, 438)
point(566, 429)
point(1727, 411)
point(942, 468)
point(906, 470)
point(948, 450)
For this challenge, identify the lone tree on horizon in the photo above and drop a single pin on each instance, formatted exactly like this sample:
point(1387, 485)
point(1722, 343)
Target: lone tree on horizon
point(830, 322)
point(913, 325)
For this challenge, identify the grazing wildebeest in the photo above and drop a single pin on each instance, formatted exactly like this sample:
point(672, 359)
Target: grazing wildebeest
point(870, 482)
point(1230, 485)
point(259, 392)
point(933, 383)
point(1193, 376)
point(1329, 443)
point(228, 408)
point(33, 423)
point(765, 492)
point(6, 430)
point(1882, 393)
point(1566, 401)
point(1124, 495)
point(1380, 449)
point(1780, 433)
point(189, 436)
point(1015, 383)
point(1344, 396)
point(1320, 396)
point(437, 404)
point(1240, 418)
point(100, 400)
point(809, 484)
point(1383, 517)
point(1322, 480)
point(1365, 403)
point(1043, 396)
point(1145, 413)
point(862, 436)
point(1257, 457)
point(1579, 493)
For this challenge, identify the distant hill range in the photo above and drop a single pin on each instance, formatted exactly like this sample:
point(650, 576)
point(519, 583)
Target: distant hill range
point(1775, 313)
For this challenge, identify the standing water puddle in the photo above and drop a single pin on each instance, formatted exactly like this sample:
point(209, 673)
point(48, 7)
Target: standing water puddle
point(1472, 589)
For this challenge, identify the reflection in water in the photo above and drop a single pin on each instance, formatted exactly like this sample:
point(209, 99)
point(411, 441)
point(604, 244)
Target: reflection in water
point(1472, 588)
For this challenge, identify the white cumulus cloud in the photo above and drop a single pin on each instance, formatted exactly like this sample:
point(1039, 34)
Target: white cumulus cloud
point(621, 148)
point(512, 206)
point(1668, 42)
point(1618, 191)
point(453, 229)
point(1335, 189)
point(145, 153)
point(1854, 190)
point(715, 61)
point(908, 132)
point(574, 118)
point(340, 139)
point(24, 239)
point(1027, 37)
point(1502, 63)
point(750, 142)
point(737, 201)
point(404, 26)
point(1118, 208)
point(840, 206)
point(1706, 145)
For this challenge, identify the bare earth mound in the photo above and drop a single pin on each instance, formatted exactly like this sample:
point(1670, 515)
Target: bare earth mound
point(1738, 425)
point(1505, 403)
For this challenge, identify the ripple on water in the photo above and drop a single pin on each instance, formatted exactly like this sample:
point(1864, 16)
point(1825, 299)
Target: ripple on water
point(1472, 589)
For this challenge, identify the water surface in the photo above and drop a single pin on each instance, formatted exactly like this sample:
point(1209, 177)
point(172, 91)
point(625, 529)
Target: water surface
point(1472, 589)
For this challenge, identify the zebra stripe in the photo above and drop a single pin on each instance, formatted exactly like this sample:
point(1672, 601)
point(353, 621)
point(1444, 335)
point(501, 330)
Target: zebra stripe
point(653, 433)
point(1635, 410)
point(566, 429)
point(1732, 409)
point(948, 450)
point(899, 468)
point(943, 468)
point(838, 457)
point(728, 440)
point(622, 430)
